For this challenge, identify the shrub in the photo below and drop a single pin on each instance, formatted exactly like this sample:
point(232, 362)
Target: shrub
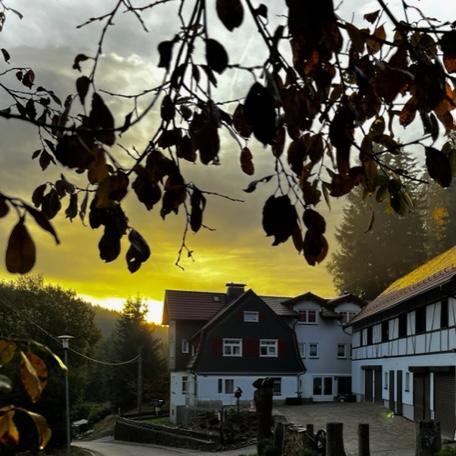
point(447, 451)
point(262, 445)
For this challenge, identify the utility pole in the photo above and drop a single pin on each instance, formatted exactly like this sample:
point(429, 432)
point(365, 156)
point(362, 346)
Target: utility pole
point(66, 344)
point(140, 380)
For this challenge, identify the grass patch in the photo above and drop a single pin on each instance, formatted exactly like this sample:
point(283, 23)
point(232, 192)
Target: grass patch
point(161, 420)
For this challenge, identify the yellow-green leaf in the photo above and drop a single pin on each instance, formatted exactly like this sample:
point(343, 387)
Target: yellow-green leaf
point(9, 435)
point(7, 350)
point(56, 357)
point(33, 375)
point(44, 432)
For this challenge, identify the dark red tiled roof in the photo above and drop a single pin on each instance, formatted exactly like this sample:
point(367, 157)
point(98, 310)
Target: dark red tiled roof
point(191, 305)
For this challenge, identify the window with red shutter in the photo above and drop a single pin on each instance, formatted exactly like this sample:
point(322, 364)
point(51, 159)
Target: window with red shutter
point(251, 348)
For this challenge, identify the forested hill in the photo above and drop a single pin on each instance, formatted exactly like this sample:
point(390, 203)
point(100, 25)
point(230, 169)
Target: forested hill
point(105, 320)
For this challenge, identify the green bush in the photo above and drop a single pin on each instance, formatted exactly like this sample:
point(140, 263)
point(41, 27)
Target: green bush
point(447, 451)
point(98, 412)
point(305, 452)
point(262, 445)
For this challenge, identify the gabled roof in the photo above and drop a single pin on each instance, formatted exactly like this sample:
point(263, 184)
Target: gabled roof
point(309, 296)
point(202, 305)
point(347, 297)
point(429, 275)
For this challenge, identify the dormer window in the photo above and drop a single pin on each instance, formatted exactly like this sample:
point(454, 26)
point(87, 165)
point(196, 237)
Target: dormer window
point(251, 316)
point(307, 316)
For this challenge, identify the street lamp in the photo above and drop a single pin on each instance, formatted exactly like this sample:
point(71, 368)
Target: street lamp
point(66, 344)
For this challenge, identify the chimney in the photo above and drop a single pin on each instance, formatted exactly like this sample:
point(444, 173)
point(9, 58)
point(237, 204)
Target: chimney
point(233, 291)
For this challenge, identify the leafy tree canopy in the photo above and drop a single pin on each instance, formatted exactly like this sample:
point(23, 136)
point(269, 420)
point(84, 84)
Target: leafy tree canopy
point(327, 100)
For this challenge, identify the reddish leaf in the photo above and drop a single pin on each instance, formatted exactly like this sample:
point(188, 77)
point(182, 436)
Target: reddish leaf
point(240, 123)
point(448, 45)
point(28, 78)
point(21, 251)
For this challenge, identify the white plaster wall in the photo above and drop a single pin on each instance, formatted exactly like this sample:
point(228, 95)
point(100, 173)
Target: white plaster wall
point(176, 397)
point(207, 388)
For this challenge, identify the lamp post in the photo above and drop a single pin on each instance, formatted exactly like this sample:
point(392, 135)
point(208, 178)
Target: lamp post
point(65, 344)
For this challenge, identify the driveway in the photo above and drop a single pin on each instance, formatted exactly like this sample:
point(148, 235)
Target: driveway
point(109, 447)
point(389, 434)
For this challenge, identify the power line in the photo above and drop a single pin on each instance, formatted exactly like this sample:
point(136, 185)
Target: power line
point(94, 360)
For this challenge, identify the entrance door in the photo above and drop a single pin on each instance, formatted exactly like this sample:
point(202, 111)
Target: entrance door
point(391, 391)
point(444, 400)
point(421, 396)
point(368, 384)
point(399, 410)
point(323, 388)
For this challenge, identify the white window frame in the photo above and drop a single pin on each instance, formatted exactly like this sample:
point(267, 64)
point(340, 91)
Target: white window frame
point(302, 349)
point(184, 384)
point(310, 350)
point(230, 345)
point(344, 356)
point(271, 346)
point(225, 384)
point(277, 386)
point(251, 316)
point(304, 316)
point(185, 346)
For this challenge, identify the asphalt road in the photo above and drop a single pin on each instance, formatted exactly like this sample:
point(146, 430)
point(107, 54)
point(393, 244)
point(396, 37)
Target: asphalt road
point(110, 447)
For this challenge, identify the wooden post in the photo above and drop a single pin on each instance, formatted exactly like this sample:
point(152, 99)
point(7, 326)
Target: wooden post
point(263, 406)
point(335, 439)
point(428, 438)
point(363, 439)
point(139, 392)
point(310, 429)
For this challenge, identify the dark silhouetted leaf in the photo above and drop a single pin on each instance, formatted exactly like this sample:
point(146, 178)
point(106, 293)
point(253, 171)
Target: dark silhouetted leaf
point(185, 149)
point(438, 166)
point(38, 193)
point(230, 12)
point(262, 10)
point(77, 61)
point(109, 245)
point(314, 221)
point(4, 208)
point(315, 248)
point(165, 49)
point(82, 87)
point(216, 56)
point(20, 252)
point(260, 112)
point(101, 118)
point(198, 204)
point(72, 210)
point(147, 190)
point(247, 161)
point(28, 78)
point(6, 55)
point(167, 109)
point(279, 218)
point(240, 123)
point(372, 17)
point(448, 45)
point(51, 204)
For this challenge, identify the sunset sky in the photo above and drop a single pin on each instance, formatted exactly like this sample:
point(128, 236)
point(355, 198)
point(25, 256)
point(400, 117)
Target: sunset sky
point(237, 250)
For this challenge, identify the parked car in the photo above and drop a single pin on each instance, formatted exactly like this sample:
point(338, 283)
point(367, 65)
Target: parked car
point(349, 397)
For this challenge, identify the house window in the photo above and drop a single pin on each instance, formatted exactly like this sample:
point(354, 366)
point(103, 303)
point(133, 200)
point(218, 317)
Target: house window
point(268, 348)
point(184, 384)
point(444, 313)
point(385, 330)
point(403, 325)
point(313, 350)
point(369, 335)
point(307, 316)
point(229, 386)
point(277, 387)
point(185, 346)
point(232, 347)
point(220, 385)
point(317, 381)
point(250, 316)
point(302, 349)
point(385, 383)
point(341, 351)
point(407, 381)
point(420, 320)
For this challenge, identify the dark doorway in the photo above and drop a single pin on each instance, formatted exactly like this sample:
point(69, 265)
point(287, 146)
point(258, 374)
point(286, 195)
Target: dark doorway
point(391, 391)
point(444, 400)
point(421, 396)
point(378, 386)
point(368, 384)
point(399, 409)
point(344, 385)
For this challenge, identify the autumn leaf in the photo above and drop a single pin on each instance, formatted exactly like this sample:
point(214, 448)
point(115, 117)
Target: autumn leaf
point(21, 251)
point(34, 375)
point(7, 351)
point(247, 161)
point(9, 435)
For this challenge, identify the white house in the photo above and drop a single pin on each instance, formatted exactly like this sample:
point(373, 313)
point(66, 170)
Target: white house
point(404, 345)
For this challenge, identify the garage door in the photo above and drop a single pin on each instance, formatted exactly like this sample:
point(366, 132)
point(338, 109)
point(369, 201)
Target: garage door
point(421, 396)
point(444, 400)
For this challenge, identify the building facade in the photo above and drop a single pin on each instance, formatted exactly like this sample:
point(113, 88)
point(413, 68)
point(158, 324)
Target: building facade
point(404, 345)
point(221, 341)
